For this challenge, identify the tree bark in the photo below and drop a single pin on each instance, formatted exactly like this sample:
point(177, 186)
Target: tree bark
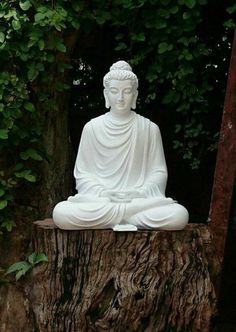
point(224, 178)
point(100, 280)
point(55, 184)
point(57, 173)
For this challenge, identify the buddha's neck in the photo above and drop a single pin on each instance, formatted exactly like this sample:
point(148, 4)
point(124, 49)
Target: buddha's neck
point(121, 116)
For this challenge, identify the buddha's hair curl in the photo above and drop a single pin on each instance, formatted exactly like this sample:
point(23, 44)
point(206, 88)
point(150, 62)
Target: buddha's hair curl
point(121, 71)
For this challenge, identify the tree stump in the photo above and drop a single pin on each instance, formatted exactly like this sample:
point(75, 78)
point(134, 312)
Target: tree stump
point(100, 280)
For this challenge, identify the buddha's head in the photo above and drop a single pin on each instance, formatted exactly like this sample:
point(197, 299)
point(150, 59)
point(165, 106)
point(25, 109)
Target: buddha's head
point(120, 88)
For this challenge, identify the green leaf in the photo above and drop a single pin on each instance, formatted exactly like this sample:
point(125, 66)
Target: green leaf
point(61, 47)
point(11, 13)
point(30, 153)
point(178, 128)
point(138, 36)
point(32, 73)
point(27, 175)
point(230, 24)
point(19, 274)
point(50, 57)
point(20, 268)
point(29, 107)
point(38, 17)
point(121, 46)
point(75, 24)
point(41, 258)
point(57, 26)
point(2, 37)
point(3, 204)
point(159, 24)
point(18, 166)
point(2, 192)
point(76, 6)
point(101, 16)
point(32, 258)
point(41, 44)
point(25, 5)
point(37, 258)
point(186, 15)
point(174, 9)
point(22, 265)
point(8, 224)
point(3, 133)
point(24, 56)
point(119, 36)
point(232, 9)
point(30, 177)
point(188, 56)
point(162, 47)
point(190, 3)
point(171, 96)
point(16, 25)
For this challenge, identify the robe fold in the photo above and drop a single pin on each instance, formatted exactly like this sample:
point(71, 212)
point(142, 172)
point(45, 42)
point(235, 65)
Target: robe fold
point(122, 156)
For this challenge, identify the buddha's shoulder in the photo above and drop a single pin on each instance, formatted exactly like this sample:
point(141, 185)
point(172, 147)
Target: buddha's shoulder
point(147, 122)
point(101, 120)
point(95, 122)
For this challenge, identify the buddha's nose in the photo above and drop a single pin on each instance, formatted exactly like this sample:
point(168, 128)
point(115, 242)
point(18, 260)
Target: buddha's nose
point(120, 96)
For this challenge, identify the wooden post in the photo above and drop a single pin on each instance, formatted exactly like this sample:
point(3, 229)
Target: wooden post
point(100, 280)
point(225, 164)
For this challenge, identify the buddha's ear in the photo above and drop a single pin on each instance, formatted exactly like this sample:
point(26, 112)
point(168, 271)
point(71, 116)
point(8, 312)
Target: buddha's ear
point(133, 106)
point(107, 104)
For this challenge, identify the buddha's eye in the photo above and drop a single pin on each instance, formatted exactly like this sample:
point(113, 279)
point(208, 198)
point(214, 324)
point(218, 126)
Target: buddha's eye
point(113, 90)
point(128, 91)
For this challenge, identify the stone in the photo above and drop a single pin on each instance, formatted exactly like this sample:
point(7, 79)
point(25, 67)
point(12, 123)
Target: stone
point(120, 170)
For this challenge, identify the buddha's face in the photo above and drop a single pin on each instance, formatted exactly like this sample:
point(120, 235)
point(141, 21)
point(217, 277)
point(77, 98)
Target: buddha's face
point(120, 96)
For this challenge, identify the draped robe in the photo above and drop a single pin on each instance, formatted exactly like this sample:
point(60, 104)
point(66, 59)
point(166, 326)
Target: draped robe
point(120, 154)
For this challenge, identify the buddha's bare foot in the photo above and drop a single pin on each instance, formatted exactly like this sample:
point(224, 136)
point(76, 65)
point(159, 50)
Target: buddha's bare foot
point(125, 228)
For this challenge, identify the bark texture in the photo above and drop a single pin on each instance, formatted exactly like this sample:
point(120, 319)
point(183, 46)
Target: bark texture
point(137, 281)
point(32, 202)
point(224, 178)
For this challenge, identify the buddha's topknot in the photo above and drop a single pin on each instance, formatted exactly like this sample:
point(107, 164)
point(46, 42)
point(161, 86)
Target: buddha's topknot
point(120, 70)
point(121, 65)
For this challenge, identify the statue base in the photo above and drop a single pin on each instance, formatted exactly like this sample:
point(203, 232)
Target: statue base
point(100, 280)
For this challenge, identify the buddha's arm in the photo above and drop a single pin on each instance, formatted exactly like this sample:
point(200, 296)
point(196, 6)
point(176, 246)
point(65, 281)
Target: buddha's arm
point(86, 181)
point(86, 184)
point(155, 183)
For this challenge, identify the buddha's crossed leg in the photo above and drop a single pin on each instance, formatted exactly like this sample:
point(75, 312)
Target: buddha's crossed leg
point(163, 214)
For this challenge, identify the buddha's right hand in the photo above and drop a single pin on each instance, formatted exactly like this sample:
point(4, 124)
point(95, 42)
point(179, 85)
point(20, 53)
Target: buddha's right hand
point(116, 196)
point(120, 196)
point(107, 193)
point(135, 194)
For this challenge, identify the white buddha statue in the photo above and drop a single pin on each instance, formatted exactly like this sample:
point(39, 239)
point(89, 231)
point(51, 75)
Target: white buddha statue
point(120, 170)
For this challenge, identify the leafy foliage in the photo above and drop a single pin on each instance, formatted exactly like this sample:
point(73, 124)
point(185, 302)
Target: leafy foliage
point(30, 41)
point(21, 268)
point(178, 63)
point(161, 36)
